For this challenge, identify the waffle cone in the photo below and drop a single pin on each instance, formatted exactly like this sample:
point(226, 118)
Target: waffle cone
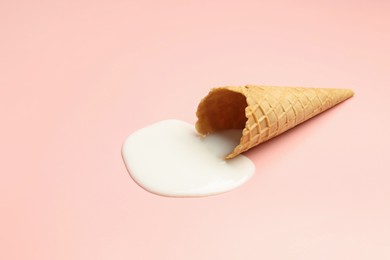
point(263, 112)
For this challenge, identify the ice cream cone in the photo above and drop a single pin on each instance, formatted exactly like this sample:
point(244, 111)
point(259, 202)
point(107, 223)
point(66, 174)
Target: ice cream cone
point(263, 112)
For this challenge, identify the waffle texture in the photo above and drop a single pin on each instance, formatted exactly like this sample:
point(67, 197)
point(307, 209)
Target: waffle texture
point(263, 112)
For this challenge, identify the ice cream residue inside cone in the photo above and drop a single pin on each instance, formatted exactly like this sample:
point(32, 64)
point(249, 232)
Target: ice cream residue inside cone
point(222, 109)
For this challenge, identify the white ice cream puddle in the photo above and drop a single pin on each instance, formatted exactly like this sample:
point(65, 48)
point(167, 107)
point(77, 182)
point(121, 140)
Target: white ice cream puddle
point(169, 158)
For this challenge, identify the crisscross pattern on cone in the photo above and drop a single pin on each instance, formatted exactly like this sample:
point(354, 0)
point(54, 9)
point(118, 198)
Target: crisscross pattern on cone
point(263, 112)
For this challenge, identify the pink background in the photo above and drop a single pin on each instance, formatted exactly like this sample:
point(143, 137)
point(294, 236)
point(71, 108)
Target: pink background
point(77, 77)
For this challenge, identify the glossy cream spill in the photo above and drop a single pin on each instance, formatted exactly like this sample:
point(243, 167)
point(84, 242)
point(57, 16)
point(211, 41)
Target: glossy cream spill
point(169, 158)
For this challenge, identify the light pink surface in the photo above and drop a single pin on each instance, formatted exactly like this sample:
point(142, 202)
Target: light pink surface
point(77, 77)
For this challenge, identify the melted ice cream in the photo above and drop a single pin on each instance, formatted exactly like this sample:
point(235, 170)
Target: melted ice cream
point(169, 158)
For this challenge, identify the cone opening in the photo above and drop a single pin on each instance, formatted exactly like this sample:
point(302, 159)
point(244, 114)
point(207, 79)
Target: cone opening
point(220, 110)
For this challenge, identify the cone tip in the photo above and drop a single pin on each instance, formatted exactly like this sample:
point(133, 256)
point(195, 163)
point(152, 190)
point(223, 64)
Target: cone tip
point(350, 92)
